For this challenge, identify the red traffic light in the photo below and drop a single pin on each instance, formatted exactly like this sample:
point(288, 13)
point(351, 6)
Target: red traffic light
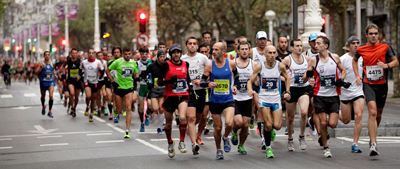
point(17, 48)
point(64, 42)
point(323, 21)
point(142, 16)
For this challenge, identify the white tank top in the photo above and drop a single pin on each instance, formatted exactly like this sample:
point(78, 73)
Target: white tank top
point(105, 74)
point(354, 90)
point(244, 77)
point(310, 54)
point(257, 57)
point(296, 72)
point(91, 70)
point(270, 84)
point(326, 75)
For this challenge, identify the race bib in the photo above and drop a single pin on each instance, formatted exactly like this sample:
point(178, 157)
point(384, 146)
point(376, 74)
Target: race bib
point(242, 86)
point(328, 81)
point(298, 79)
point(179, 86)
point(91, 76)
point(126, 72)
point(374, 73)
point(222, 87)
point(73, 72)
point(269, 85)
point(48, 76)
point(193, 71)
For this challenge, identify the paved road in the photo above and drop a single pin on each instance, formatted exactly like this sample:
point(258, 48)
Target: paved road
point(30, 140)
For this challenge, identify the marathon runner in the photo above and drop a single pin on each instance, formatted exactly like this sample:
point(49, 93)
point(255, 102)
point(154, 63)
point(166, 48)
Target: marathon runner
point(142, 64)
point(102, 95)
point(58, 66)
point(47, 72)
point(74, 79)
point(116, 52)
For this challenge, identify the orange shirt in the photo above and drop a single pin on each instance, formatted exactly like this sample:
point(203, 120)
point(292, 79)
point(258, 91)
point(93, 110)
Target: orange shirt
point(374, 74)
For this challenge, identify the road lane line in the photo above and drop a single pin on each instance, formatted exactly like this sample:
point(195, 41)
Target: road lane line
point(3, 139)
point(115, 128)
point(98, 118)
point(99, 134)
point(1, 148)
point(29, 94)
point(6, 96)
point(164, 139)
point(49, 136)
point(79, 132)
point(152, 146)
point(58, 144)
point(110, 141)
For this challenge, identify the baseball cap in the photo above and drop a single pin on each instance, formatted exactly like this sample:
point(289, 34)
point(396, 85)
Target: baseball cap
point(351, 39)
point(173, 47)
point(261, 34)
point(313, 36)
point(160, 52)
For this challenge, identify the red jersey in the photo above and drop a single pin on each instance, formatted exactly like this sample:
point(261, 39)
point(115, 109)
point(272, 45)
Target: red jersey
point(180, 87)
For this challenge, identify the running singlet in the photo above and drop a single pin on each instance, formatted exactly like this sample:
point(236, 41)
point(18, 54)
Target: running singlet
point(257, 57)
point(374, 74)
point(142, 65)
point(296, 72)
point(73, 68)
point(222, 93)
point(326, 75)
point(244, 76)
point(196, 68)
point(354, 90)
point(180, 87)
point(125, 70)
point(270, 84)
point(91, 70)
point(46, 76)
point(104, 63)
point(310, 53)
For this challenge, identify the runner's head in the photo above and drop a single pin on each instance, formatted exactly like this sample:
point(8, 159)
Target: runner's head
point(192, 45)
point(62, 58)
point(282, 43)
point(243, 39)
point(311, 41)
point(144, 51)
point(163, 46)
point(99, 55)
point(127, 53)
point(353, 43)
point(206, 35)
point(261, 39)
point(244, 49)
point(116, 52)
point(92, 54)
point(204, 48)
point(296, 46)
point(372, 33)
point(74, 53)
point(161, 56)
point(110, 56)
point(46, 55)
point(269, 42)
point(235, 44)
point(175, 52)
point(322, 44)
point(270, 54)
point(104, 50)
point(219, 50)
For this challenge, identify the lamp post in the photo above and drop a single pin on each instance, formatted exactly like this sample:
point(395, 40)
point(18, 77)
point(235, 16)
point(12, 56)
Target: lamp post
point(312, 22)
point(96, 46)
point(153, 24)
point(270, 15)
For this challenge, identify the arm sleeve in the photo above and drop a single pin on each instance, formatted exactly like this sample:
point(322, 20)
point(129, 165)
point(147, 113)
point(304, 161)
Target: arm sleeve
point(187, 74)
point(161, 75)
point(356, 54)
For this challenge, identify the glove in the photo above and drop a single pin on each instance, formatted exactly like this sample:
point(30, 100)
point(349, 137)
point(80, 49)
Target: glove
point(339, 82)
point(63, 77)
point(346, 85)
point(310, 73)
point(191, 86)
point(115, 85)
point(173, 79)
point(137, 79)
point(150, 86)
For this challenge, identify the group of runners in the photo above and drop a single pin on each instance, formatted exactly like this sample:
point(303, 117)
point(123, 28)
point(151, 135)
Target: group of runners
point(251, 81)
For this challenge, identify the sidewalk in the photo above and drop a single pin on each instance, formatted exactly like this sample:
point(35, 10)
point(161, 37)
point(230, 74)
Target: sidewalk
point(390, 94)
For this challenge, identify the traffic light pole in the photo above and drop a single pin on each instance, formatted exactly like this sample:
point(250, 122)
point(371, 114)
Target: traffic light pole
point(153, 24)
point(66, 27)
point(96, 46)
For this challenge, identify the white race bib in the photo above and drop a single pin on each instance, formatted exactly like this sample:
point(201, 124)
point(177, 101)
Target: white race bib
point(374, 73)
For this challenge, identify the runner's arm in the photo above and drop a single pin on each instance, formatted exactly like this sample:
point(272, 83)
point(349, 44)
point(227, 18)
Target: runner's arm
point(204, 78)
point(282, 69)
point(253, 77)
point(161, 76)
point(340, 66)
point(310, 69)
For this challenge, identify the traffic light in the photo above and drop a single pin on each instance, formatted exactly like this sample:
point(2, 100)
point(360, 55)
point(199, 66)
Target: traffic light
point(103, 30)
point(142, 22)
point(323, 25)
point(64, 42)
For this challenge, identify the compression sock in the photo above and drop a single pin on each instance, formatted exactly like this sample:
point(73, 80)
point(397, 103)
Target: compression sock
point(168, 134)
point(42, 100)
point(141, 116)
point(182, 131)
point(50, 104)
point(267, 137)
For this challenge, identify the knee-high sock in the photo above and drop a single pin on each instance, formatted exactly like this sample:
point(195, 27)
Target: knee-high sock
point(42, 100)
point(141, 117)
point(160, 120)
point(267, 137)
point(260, 125)
point(168, 134)
point(110, 107)
point(50, 104)
point(182, 130)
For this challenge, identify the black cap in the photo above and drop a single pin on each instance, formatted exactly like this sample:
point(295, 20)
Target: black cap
point(160, 52)
point(173, 47)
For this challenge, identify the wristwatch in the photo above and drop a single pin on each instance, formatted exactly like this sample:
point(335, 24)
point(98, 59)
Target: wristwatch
point(288, 92)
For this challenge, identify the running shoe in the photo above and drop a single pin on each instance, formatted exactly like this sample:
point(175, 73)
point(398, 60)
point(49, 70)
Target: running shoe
point(286, 133)
point(50, 114)
point(199, 141)
point(209, 120)
point(141, 127)
point(182, 147)
point(251, 124)
point(373, 150)
point(195, 149)
point(234, 138)
point(270, 153)
point(44, 110)
point(171, 150)
point(61, 96)
point(115, 112)
point(220, 155)
point(147, 121)
point(206, 131)
point(105, 112)
point(242, 150)
point(96, 113)
point(124, 113)
point(127, 134)
point(111, 116)
point(273, 135)
point(116, 119)
point(290, 145)
point(227, 145)
point(263, 146)
point(303, 144)
point(327, 153)
point(73, 113)
point(312, 129)
point(90, 118)
point(87, 111)
point(355, 148)
point(159, 131)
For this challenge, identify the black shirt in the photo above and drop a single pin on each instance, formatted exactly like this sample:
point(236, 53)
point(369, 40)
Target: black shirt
point(281, 56)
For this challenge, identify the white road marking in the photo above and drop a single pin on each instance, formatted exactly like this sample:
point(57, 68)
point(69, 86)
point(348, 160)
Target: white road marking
point(152, 146)
point(29, 94)
point(380, 140)
point(99, 119)
point(3, 139)
point(115, 128)
point(40, 129)
point(21, 108)
point(64, 133)
point(110, 141)
point(49, 136)
point(6, 96)
point(99, 134)
point(164, 139)
point(1, 148)
point(58, 144)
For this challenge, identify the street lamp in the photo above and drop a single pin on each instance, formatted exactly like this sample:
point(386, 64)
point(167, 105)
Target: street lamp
point(270, 15)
